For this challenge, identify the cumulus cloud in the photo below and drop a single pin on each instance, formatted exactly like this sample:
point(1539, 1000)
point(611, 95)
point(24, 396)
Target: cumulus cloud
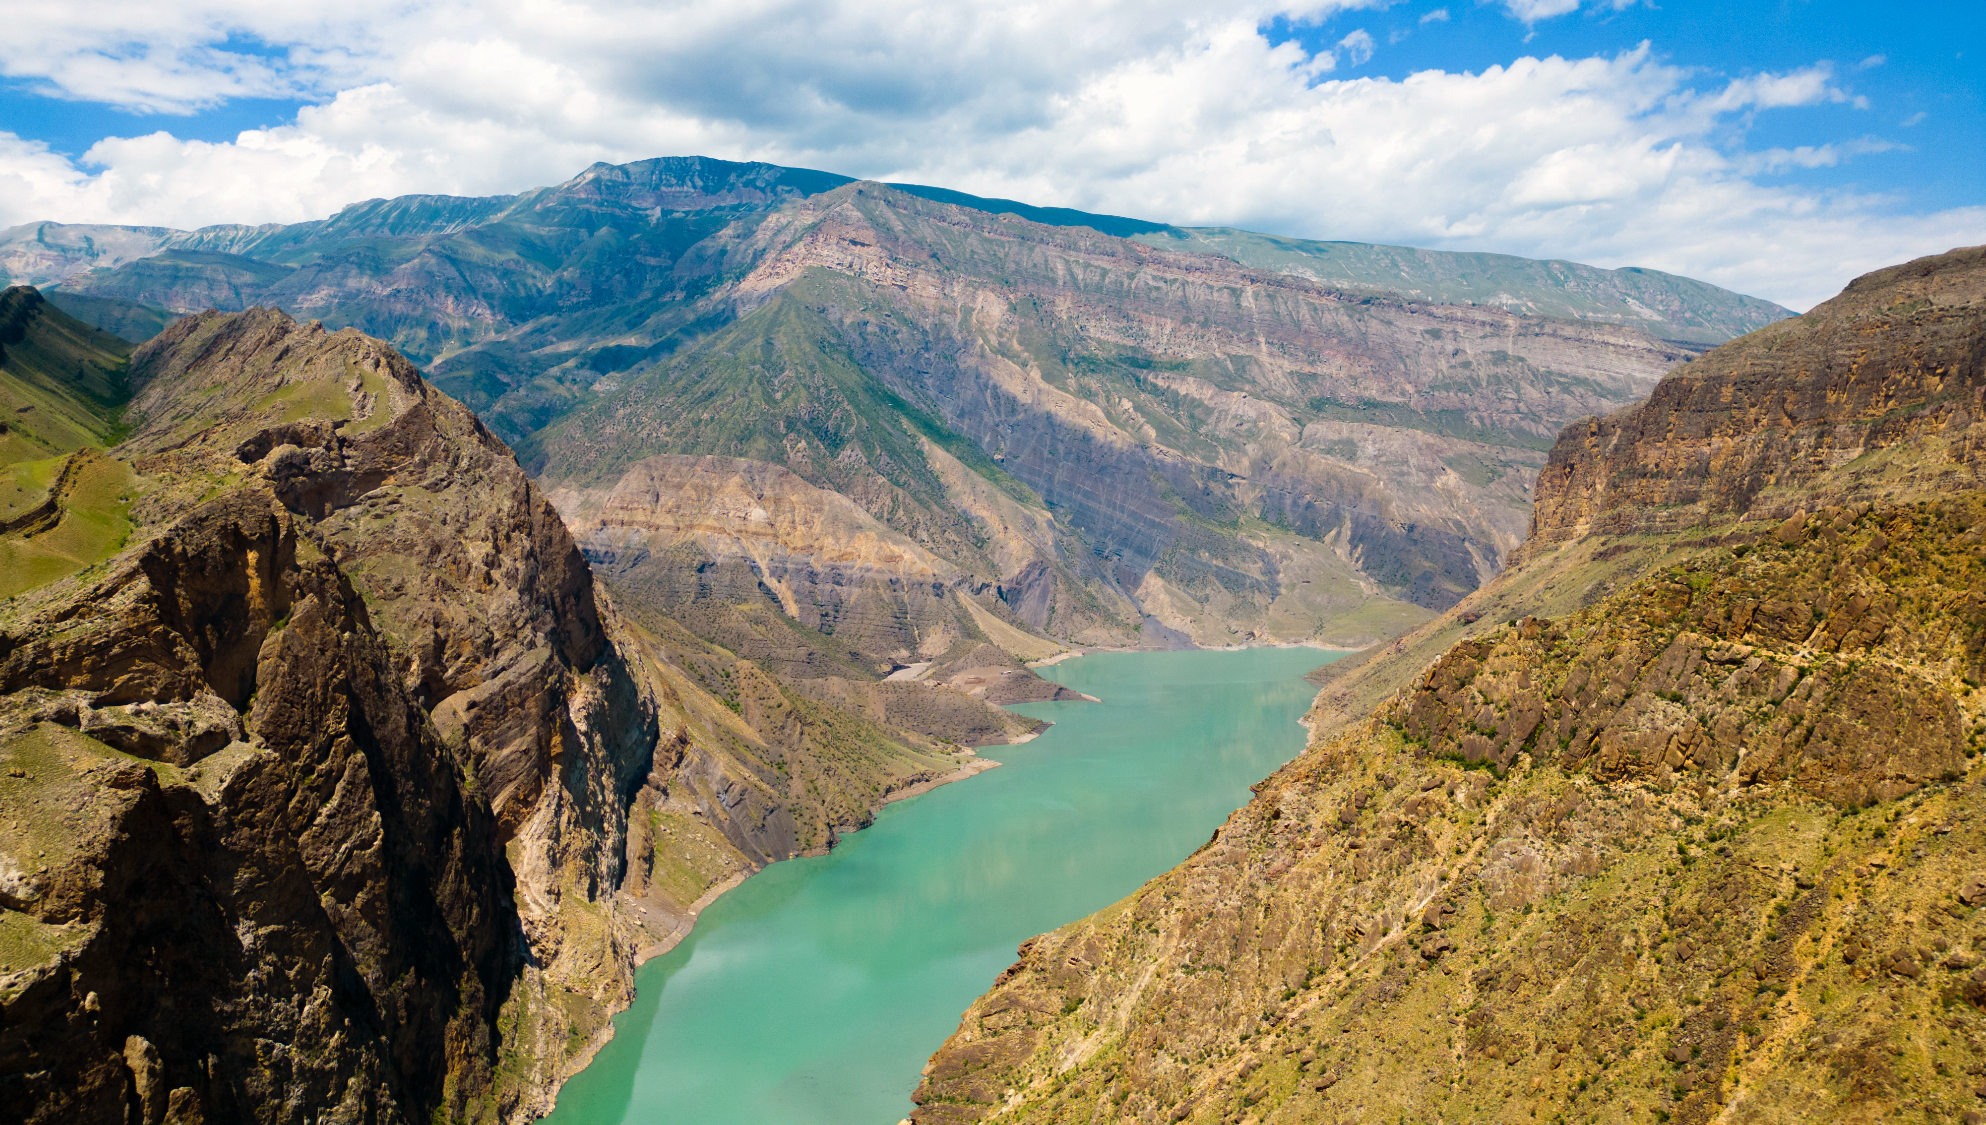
point(1180, 110)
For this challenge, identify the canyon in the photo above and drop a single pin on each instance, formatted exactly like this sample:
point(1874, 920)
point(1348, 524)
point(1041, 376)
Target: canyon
point(1678, 817)
point(444, 601)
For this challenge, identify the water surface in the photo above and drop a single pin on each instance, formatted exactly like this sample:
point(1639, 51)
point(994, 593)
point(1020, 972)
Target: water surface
point(814, 993)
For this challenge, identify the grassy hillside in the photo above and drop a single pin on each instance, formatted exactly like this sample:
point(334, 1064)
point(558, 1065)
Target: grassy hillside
point(62, 393)
point(61, 381)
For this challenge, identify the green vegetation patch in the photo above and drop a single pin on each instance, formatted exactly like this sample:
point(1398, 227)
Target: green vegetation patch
point(24, 485)
point(62, 383)
point(691, 856)
point(94, 525)
point(27, 942)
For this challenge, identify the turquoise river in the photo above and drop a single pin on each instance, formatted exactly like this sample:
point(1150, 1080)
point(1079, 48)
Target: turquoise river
point(814, 992)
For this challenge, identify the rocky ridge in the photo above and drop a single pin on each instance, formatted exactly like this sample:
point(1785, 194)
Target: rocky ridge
point(337, 785)
point(1702, 846)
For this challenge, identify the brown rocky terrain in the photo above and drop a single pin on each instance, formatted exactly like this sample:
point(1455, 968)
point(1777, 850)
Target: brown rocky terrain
point(333, 785)
point(1703, 845)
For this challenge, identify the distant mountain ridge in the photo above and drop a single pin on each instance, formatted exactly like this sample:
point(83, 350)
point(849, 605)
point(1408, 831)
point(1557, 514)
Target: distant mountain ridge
point(1165, 434)
point(47, 253)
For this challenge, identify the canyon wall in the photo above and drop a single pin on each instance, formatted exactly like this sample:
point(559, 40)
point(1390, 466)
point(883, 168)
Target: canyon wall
point(1705, 845)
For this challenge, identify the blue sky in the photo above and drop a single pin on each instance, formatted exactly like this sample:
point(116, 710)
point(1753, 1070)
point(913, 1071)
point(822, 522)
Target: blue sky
point(1909, 61)
point(1776, 147)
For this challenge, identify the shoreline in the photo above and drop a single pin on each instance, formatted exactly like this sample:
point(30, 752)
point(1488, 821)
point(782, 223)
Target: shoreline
point(584, 1057)
point(971, 768)
point(1320, 646)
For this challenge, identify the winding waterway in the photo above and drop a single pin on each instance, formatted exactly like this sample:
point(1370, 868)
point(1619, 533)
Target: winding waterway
point(814, 992)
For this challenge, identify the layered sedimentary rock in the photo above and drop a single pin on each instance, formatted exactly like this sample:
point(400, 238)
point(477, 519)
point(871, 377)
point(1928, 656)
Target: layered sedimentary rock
point(1883, 372)
point(1707, 848)
point(1215, 437)
point(1201, 435)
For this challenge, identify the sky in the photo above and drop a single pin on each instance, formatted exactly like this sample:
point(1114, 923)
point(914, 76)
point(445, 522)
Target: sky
point(1775, 147)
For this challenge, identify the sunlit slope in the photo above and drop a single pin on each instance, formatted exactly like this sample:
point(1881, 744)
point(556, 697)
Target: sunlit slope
point(1676, 820)
point(62, 390)
point(61, 381)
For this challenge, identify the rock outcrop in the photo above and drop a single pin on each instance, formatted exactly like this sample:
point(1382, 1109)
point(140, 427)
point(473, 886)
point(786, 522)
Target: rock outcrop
point(1704, 845)
point(334, 786)
point(1883, 377)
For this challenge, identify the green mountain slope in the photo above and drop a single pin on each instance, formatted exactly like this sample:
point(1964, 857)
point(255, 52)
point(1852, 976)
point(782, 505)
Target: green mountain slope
point(63, 505)
point(61, 381)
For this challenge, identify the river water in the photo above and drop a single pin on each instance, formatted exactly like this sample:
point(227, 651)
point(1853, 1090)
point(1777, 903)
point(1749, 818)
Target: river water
point(814, 992)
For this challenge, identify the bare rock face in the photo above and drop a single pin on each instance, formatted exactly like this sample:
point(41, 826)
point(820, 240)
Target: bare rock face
point(1703, 845)
point(393, 731)
point(1866, 389)
point(311, 918)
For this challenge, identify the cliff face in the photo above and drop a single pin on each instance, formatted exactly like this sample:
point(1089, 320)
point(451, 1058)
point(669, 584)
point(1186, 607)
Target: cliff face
point(373, 663)
point(1885, 378)
point(332, 783)
point(1706, 848)
point(298, 909)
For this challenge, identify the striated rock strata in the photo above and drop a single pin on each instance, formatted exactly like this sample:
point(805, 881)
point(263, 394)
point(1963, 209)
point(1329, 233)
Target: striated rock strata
point(1708, 848)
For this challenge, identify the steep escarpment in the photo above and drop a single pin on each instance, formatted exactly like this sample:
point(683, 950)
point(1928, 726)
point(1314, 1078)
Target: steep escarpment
point(245, 878)
point(1705, 848)
point(350, 734)
point(1886, 376)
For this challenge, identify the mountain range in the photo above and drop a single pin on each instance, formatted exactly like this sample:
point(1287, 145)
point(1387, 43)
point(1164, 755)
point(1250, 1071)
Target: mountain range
point(1124, 432)
point(441, 602)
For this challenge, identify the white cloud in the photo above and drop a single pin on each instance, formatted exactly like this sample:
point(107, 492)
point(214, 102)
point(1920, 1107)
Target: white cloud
point(1179, 110)
point(1531, 11)
point(1439, 15)
point(1358, 45)
point(1811, 156)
